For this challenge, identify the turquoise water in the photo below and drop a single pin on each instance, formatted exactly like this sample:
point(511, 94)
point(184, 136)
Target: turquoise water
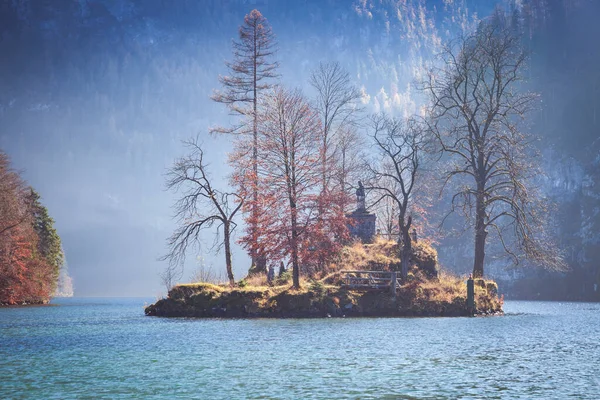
point(107, 348)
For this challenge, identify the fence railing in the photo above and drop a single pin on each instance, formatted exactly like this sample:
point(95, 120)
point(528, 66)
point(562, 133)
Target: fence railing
point(370, 280)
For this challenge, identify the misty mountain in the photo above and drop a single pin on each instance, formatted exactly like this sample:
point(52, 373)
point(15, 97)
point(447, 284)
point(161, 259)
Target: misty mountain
point(95, 97)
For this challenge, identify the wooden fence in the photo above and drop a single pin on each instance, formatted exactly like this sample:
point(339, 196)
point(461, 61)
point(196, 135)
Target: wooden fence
point(370, 280)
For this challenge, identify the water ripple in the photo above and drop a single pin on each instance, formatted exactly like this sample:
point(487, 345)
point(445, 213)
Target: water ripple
point(107, 349)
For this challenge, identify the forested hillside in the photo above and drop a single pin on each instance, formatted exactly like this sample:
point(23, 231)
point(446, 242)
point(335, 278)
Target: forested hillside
point(30, 251)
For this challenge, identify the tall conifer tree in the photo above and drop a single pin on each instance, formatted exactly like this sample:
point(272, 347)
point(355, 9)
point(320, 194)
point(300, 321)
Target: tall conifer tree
point(252, 71)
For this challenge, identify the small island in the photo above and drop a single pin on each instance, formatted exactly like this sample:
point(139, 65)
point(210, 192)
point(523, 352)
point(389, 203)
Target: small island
point(294, 161)
point(427, 292)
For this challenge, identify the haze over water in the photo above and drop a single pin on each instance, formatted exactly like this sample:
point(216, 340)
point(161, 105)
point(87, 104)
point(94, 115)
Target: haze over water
point(107, 348)
point(96, 97)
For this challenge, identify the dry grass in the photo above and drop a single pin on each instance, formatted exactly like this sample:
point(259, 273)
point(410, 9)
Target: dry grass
point(380, 255)
point(383, 255)
point(203, 285)
point(450, 288)
point(426, 257)
point(445, 289)
point(257, 280)
point(256, 289)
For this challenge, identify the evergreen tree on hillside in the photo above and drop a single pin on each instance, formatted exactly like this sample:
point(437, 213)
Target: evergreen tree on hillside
point(49, 244)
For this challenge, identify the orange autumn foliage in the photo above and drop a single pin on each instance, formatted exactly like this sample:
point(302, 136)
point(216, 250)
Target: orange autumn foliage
point(25, 276)
point(296, 222)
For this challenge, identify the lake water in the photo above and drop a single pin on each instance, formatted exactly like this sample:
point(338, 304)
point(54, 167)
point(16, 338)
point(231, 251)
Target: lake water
point(107, 348)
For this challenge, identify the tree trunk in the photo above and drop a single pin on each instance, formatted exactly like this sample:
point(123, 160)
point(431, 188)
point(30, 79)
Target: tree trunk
point(324, 165)
point(480, 236)
point(343, 181)
point(258, 263)
point(321, 209)
point(295, 263)
point(227, 242)
point(406, 251)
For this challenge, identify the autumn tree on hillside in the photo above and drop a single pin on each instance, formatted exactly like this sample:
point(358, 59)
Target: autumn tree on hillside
point(251, 73)
point(288, 167)
point(400, 146)
point(15, 237)
point(30, 253)
point(477, 106)
point(200, 206)
point(49, 244)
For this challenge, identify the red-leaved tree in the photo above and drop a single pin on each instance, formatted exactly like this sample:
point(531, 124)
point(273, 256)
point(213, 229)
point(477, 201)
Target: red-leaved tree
point(288, 176)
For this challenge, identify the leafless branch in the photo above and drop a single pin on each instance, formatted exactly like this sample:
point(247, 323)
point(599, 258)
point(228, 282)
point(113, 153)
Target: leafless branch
point(199, 207)
point(476, 111)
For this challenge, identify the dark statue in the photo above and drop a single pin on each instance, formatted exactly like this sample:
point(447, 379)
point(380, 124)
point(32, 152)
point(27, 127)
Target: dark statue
point(360, 197)
point(362, 225)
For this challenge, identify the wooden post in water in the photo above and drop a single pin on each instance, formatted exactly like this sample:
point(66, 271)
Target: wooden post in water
point(471, 295)
point(393, 285)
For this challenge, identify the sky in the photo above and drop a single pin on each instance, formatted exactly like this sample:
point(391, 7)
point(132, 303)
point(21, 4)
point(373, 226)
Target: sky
point(96, 96)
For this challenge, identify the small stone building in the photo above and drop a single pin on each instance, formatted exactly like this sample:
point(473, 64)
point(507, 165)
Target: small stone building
point(362, 222)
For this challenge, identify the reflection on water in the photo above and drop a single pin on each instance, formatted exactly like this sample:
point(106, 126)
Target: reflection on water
point(107, 348)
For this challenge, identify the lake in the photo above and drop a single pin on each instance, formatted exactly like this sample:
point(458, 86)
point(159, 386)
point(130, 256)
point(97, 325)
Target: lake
point(106, 348)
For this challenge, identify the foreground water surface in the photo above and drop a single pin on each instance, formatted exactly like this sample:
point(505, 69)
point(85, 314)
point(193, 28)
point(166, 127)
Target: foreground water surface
point(107, 348)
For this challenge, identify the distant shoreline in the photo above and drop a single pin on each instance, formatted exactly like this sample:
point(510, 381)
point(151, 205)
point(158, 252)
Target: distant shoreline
point(27, 305)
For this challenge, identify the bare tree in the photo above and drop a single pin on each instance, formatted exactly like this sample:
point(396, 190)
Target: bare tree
point(251, 70)
point(387, 218)
point(201, 206)
point(172, 273)
point(347, 162)
point(337, 105)
point(15, 204)
point(205, 273)
point(400, 145)
point(477, 107)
